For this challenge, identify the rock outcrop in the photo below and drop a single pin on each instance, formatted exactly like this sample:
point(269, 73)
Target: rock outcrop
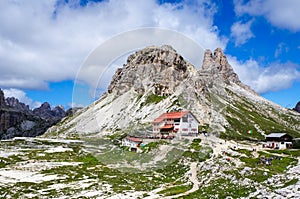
point(160, 69)
point(44, 110)
point(46, 113)
point(297, 107)
point(58, 112)
point(15, 103)
point(72, 111)
point(217, 63)
point(16, 119)
point(218, 68)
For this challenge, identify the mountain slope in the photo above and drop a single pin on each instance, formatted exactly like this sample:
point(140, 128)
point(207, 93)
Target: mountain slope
point(157, 79)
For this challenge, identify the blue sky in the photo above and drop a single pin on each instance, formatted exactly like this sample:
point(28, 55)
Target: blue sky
point(43, 44)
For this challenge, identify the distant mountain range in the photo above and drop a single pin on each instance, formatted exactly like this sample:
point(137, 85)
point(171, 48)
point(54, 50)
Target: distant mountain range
point(16, 119)
point(157, 79)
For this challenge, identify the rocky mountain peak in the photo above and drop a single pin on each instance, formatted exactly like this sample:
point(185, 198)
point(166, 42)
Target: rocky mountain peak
point(297, 107)
point(165, 55)
point(14, 102)
point(45, 111)
point(216, 63)
point(59, 111)
point(158, 68)
point(46, 105)
point(220, 57)
point(216, 66)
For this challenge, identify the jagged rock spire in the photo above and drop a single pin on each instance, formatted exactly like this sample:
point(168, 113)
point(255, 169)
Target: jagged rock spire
point(217, 63)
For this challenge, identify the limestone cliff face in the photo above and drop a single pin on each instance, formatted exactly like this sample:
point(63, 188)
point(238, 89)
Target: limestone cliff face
point(217, 66)
point(217, 63)
point(15, 103)
point(160, 69)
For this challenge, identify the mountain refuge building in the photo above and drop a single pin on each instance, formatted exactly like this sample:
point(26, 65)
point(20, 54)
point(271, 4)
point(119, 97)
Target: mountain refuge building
point(279, 141)
point(132, 143)
point(170, 124)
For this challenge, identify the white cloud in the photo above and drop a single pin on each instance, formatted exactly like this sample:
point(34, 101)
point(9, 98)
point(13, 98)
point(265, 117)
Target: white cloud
point(281, 13)
point(265, 79)
point(241, 32)
point(281, 48)
point(21, 96)
point(43, 41)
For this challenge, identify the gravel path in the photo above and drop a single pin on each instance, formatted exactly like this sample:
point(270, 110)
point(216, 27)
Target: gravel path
point(193, 178)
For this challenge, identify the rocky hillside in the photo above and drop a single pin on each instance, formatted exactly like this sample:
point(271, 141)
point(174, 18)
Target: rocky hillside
point(157, 79)
point(208, 168)
point(16, 119)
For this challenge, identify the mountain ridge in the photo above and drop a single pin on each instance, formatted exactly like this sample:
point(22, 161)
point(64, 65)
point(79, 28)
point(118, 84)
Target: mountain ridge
point(157, 79)
point(17, 119)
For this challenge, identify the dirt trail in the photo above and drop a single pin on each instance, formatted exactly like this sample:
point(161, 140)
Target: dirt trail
point(192, 173)
point(219, 146)
point(193, 178)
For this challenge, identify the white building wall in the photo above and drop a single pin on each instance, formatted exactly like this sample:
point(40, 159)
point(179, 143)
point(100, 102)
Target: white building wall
point(129, 143)
point(283, 145)
point(194, 126)
point(189, 127)
point(280, 145)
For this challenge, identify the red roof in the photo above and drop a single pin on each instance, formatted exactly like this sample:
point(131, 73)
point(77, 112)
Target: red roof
point(171, 115)
point(134, 139)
